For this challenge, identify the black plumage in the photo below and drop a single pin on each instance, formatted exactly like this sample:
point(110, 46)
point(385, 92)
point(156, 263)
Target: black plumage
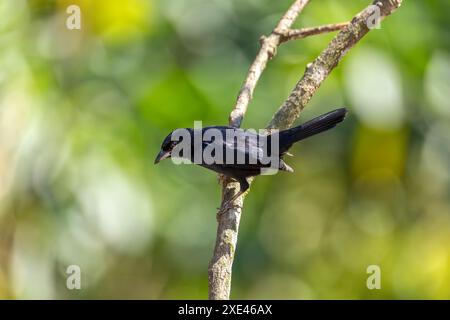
point(251, 148)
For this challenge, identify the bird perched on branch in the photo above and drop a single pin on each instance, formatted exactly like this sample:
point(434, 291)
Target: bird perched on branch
point(239, 153)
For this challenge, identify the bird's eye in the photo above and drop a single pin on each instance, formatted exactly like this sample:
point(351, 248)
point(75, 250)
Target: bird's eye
point(170, 146)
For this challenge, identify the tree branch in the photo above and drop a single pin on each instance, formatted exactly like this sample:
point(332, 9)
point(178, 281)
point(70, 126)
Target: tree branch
point(268, 50)
point(317, 71)
point(219, 272)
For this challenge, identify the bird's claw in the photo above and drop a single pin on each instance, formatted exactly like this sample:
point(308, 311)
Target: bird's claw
point(225, 207)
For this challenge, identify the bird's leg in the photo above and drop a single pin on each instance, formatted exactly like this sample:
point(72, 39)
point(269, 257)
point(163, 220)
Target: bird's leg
point(244, 185)
point(227, 204)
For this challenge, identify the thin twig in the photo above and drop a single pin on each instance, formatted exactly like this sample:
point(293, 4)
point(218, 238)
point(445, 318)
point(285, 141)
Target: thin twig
point(295, 34)
point(219, 271)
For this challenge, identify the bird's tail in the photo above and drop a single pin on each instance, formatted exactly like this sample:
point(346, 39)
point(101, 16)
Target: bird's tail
point(312, 127)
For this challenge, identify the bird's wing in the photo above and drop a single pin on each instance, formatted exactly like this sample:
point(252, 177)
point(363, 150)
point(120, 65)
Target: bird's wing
point(244, 145)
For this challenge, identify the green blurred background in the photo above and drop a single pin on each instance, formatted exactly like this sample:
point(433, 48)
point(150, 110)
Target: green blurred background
point(83, 113)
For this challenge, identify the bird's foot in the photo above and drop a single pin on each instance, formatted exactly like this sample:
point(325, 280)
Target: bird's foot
point(226, 206)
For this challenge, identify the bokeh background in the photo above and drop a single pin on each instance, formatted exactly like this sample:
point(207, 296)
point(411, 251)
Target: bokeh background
point(83, 113)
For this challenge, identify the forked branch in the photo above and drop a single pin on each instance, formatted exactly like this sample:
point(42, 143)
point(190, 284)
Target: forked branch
point(219, 272)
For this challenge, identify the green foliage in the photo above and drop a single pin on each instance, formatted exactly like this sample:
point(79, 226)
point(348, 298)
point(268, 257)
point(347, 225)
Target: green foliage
point(83, 113)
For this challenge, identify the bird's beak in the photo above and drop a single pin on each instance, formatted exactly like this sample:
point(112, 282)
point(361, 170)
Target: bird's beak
point(162, 155)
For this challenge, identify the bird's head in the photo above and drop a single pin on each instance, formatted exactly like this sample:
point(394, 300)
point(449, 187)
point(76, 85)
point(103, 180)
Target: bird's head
point(166, 148)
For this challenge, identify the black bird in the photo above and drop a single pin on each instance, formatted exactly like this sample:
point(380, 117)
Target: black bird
point(251, 152)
